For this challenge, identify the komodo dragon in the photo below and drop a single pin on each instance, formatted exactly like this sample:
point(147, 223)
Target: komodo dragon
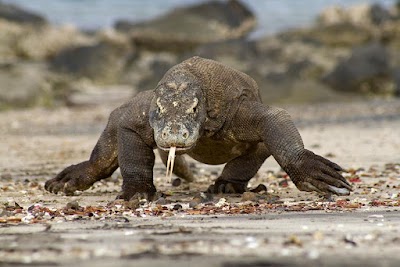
point(214, 114)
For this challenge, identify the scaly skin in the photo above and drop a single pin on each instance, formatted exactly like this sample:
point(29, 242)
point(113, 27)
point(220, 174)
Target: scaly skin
point(212, 113)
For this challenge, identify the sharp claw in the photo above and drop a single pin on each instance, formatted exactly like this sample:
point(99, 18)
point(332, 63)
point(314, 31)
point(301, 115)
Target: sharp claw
point(338, 168)
point(339, 191)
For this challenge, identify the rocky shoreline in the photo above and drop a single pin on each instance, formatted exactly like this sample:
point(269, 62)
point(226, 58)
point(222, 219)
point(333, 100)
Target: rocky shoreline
point(346, 54)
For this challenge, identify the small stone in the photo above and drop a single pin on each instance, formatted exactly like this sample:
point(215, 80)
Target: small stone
point(249, 196)
point(294, 240)
point(176, 182)
point(177, 207)
point(161, 201)
point(133, 204)
point(221, 202)
point(195, 202)
point(259, 188)
point(206, 197)
point(74, 205)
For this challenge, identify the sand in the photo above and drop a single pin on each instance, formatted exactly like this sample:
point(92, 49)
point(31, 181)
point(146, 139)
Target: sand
point(280, 227)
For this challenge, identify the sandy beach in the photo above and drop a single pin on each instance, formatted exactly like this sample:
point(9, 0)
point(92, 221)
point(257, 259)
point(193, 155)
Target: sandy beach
point(279, 227)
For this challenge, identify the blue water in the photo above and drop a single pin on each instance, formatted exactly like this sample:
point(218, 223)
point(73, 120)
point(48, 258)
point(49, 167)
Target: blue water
point(273, 15)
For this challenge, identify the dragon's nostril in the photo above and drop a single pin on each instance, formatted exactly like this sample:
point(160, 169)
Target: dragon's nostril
point(185, 135)
point(164, 135)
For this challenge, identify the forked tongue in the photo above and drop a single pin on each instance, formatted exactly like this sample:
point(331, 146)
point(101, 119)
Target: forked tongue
point(170, 163)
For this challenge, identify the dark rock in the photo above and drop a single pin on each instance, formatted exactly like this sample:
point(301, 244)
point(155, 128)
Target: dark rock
point(177, 207)
point(367, 70)
point(146, 70)
point(239, 49)
point(16, 14)
point(259, 188)
point(187, 27)
point(102, 62)
point(285, 70)
point(176, 182)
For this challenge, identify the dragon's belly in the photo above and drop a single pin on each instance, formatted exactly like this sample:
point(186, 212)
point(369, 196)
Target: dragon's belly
point(216, 152)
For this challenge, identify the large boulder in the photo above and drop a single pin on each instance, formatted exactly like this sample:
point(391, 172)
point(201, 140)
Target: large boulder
point(367, 70)
point(16, 14)
point(146, 69)
point(187, 27)
point(20, 41)
point(285, 72)
point(23, 84)
point(102, 62)
point(335, 35)
point(363, 14)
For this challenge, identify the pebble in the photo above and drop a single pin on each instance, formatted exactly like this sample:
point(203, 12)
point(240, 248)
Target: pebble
point(259, 188)
point(177, 207)
point(74, 205)
point(195, 203)
point(161, 201)
point(133, 204)
point(176, 182)
point(249, 196)
point(294, 240)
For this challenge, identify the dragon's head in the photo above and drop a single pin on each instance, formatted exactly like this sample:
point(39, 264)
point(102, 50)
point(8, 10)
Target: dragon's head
point(177, 112)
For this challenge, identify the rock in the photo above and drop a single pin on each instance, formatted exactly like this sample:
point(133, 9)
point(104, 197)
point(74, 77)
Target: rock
point(176, 182)
point(27, 42)
point(146, 69)
point(364, 14)
point(238, 54)
point(367, 70)
point(213, 21)
point(16, 14)
point(85, 93)
point(74, 205)
point(162, 201)
point(177, 207)
point(46, 42)
point(249, 196)
point(340, 34)
point(259, 188)
point(23, 84)
point(102, 62)
point(194, 204)
point(286, 70)
point(133, 204)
